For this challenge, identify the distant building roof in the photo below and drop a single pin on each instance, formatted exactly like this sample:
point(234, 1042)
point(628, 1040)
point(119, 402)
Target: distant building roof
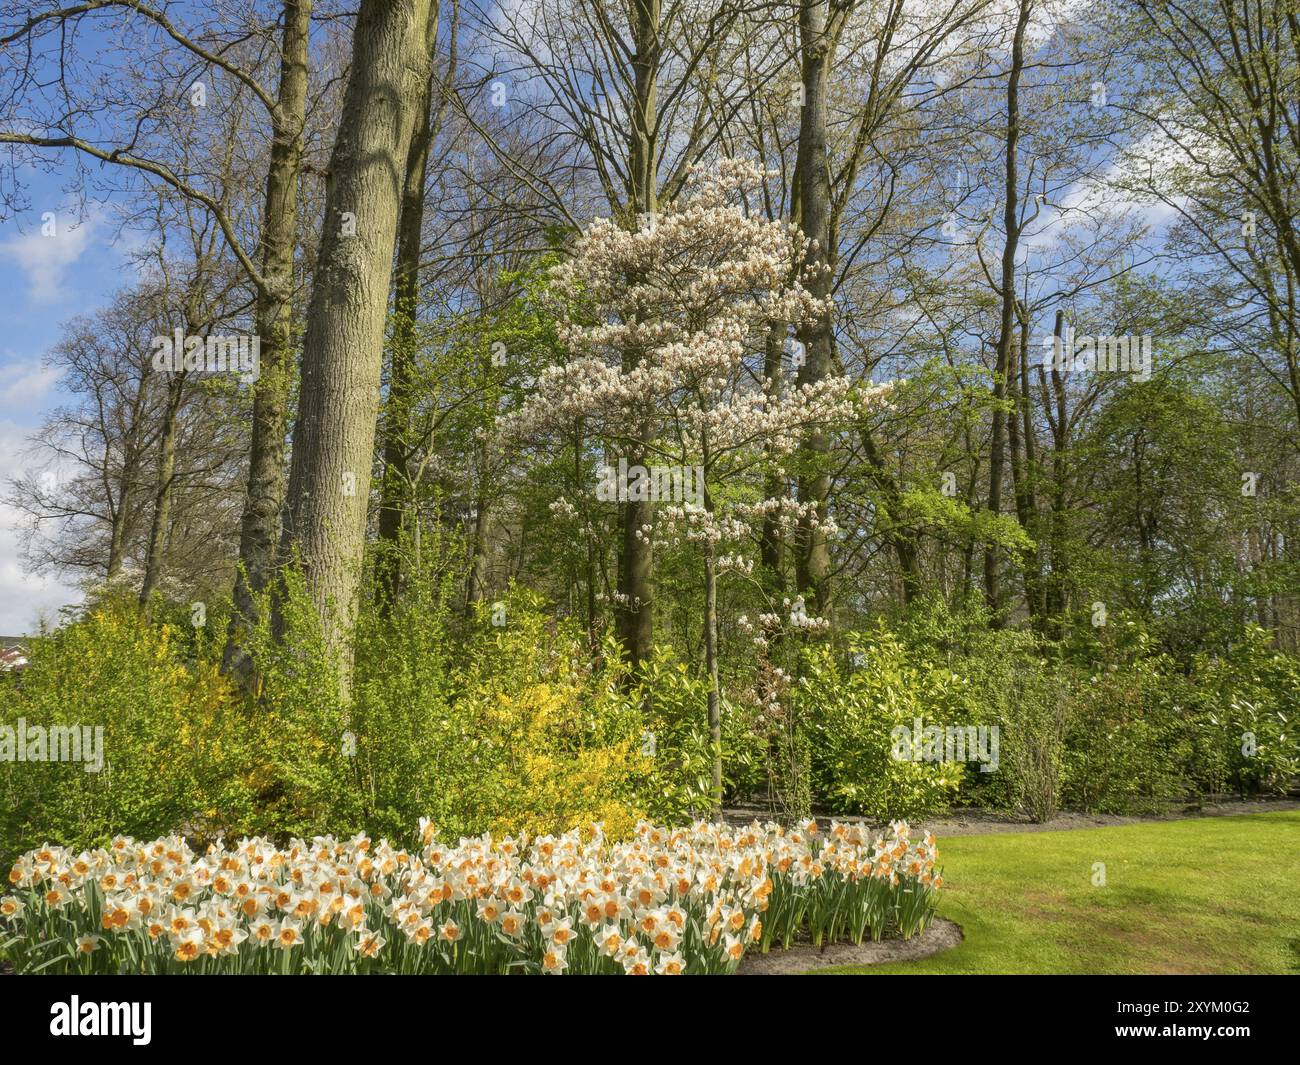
point(12, 659)
point(13, 653)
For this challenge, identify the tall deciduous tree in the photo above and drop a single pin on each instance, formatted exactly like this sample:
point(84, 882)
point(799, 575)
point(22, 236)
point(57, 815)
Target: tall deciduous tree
point(1006, 336)
point(693, 298)
point(259, 528)
point(334, 434)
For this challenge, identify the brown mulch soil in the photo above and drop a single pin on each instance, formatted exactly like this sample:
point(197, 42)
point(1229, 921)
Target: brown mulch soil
point(973, 822)
point(939, 935)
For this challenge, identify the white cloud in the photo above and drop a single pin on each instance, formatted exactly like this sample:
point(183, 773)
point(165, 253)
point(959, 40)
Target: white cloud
point(1107, 191)
point(24, 597)
point(45, 259)
point(25, 383)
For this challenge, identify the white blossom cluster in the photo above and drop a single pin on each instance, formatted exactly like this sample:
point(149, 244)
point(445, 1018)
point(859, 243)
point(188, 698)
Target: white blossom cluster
point(679, 304)
point(788, 514)
point(562, 508)
point(666, 327)
point(770, 625)
point(696, 525)
point(736, 564)
point(566, 511)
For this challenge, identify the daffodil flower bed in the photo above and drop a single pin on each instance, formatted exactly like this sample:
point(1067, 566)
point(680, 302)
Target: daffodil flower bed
point(666, 901)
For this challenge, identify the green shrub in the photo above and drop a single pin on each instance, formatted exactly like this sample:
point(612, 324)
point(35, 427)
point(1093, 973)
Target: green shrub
point(1127, 747)
point(1246, 731)
point(479, 726)
point(850, 715)
point(177, 743)
point(1007, 680)
point(676, 784)
point(1028, 698)
point(1147, 730)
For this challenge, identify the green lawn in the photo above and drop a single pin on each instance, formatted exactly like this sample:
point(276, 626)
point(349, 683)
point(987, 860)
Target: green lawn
point(1210, 895)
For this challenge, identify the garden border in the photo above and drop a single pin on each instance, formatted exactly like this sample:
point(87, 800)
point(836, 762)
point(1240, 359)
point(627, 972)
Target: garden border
point(940, 935)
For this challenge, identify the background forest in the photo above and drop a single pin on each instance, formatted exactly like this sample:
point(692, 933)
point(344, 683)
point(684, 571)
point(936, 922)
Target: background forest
point(821, 259)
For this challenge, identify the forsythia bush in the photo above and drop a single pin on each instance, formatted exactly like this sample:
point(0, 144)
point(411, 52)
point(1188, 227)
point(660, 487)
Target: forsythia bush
point(668, 901)
point(549, 740)
point(488, 728)
point(176, 744)
point(552, 744)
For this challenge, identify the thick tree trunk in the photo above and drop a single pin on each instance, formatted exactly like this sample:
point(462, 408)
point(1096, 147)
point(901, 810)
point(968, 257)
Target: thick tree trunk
point(1025, 476)
point(122, 509)
point(634, 610)
point(162, 504)
point(643, 156)
point(711, 668)
point(396, 487)
point(813, 563)
point(477, 581)
point(634, 614)
point(771, 544)
point(1007, 324)
point(968, 547)
point(342, 359)
point(259, 526)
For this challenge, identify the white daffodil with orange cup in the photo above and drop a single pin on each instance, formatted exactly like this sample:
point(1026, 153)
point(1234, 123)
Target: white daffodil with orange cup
point(666, 901)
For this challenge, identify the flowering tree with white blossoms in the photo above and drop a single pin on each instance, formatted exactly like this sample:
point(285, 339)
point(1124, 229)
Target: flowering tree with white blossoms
point(666, 326)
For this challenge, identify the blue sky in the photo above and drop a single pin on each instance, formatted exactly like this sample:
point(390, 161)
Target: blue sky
point(44, 280)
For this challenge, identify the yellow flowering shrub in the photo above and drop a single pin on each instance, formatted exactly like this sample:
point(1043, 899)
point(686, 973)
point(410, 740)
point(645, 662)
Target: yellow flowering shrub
point(542, 786)
point(554, 743)
point(481, 726)
point(485, 727)
point(167, 744)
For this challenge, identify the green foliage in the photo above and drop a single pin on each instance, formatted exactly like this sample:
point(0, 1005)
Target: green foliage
point(518, 726)
point(850, 715)
point(176, 742)
point(1008, 681)
point(1108, 723)
point(1146, 728)
point(1127, 746)
point(1028, 699)
point(677, 780)
point(482, 727)
point(1244, 732)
